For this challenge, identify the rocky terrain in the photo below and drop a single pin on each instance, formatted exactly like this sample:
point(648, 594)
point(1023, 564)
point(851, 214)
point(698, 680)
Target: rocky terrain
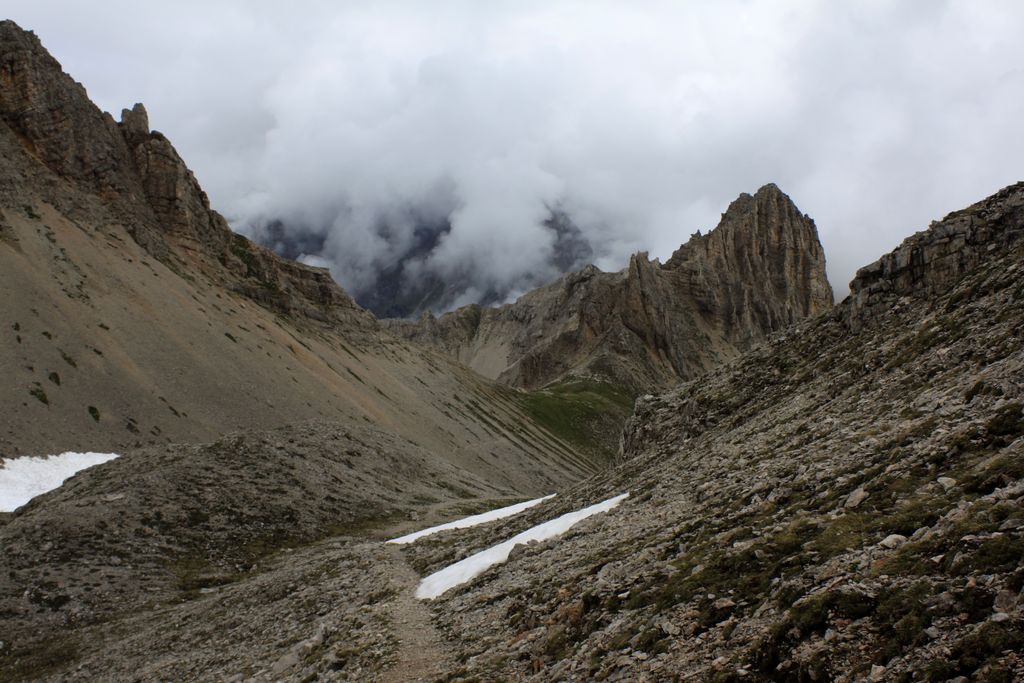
point(650, 325)
point(844, 502)
point(832, 493)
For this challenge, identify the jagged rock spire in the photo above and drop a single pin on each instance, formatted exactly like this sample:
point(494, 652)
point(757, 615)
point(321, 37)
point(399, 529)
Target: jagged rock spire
point(651, 325)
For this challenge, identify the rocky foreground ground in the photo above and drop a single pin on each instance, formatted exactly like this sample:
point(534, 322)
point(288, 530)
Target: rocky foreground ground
point(843, 503)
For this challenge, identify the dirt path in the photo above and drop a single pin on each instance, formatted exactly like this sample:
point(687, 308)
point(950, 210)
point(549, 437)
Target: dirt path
point(422, 654)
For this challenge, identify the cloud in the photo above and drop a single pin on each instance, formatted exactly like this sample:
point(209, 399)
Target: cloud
point(356, 124)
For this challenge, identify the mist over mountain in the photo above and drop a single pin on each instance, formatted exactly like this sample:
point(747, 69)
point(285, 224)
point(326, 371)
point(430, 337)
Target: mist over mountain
point(376, 128)
point(406, 281)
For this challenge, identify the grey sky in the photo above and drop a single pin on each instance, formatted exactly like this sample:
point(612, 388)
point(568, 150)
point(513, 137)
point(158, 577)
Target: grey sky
point(643, 120)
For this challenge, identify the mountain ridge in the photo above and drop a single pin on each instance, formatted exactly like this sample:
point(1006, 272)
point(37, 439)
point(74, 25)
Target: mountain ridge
point(841, 502)
point(649, 325)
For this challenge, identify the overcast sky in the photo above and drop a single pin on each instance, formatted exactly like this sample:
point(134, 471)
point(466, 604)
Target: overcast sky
point(641, 119)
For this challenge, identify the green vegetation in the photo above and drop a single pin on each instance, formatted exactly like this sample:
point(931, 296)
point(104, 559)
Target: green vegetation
point(585, 413)
point(33, 661)
point(1009, 421)
point(974, 651)
point(900, 613)
point(903, 616)
point(39, 395)
point(94, 412)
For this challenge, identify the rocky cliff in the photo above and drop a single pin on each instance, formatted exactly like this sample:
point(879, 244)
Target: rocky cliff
point(141, 180)
point(932, 261)
point(650, 325)
point(842, 501)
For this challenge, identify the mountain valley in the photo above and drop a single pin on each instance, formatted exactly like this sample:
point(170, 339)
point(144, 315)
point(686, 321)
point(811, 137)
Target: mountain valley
point(816, 491)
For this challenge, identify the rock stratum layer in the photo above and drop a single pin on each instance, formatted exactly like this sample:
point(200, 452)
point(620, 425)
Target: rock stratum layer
point(650, 325)
point(140, 182)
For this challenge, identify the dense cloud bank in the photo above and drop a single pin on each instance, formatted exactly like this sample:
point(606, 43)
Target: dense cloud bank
point(443, 143)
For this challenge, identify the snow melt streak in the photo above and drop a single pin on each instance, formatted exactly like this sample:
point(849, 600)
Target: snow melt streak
point(474, 565)
point(467, 522)
point(22, 479)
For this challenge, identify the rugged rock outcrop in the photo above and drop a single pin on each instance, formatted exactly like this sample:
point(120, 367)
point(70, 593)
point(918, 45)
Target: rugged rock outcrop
point(841, 503)
point(933, 260)
point(142, 181)
point(650, 325)
point(135, 321)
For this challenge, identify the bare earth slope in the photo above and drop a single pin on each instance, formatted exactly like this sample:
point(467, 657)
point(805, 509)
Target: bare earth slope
point(133, 316)
point(844, 502)
point(650, 325)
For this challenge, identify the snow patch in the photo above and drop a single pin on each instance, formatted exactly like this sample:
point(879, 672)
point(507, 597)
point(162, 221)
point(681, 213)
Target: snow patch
point(473, 520)
point(22, 479)
point(474, 565)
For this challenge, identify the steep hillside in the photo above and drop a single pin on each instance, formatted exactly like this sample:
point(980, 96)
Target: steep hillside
point(133, 316)
point(844, 502)
point(650, 325)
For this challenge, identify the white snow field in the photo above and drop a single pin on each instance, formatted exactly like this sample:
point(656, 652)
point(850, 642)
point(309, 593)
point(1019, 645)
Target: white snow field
point(474, 565)
point(22, 479)
point(473, 520)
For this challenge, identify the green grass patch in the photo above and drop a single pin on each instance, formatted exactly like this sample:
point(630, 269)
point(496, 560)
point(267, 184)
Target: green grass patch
point(39, 395)
point(585, 413)
point(36, 660)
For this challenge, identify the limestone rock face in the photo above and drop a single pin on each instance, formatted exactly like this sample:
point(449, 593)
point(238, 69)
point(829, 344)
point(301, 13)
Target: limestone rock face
point(54, 119)
point(930, 262)
point(46, 118)
point(651, 325)
point(133, 316)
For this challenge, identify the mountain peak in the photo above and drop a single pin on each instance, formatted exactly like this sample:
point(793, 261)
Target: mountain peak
point(61, 149)
point(651, 325)
point(770, 189)
point(135, 121)
point(766, 242)
point(11, 31)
